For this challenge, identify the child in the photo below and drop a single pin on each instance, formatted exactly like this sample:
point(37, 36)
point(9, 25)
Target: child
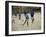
point(27, 18)
point(32, 14)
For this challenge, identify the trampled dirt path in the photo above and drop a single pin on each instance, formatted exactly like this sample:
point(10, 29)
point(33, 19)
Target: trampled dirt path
point(17, 26)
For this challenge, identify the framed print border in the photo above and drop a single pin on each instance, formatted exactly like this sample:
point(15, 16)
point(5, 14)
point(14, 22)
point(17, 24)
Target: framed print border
point(7, 18)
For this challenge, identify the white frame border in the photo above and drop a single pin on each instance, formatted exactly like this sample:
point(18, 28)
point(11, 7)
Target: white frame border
point(24, 32)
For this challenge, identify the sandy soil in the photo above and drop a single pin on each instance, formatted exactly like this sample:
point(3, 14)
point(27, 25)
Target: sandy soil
point(17, 24)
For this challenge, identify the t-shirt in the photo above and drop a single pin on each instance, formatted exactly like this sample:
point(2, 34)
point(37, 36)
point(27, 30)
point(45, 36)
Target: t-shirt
point(28, 15)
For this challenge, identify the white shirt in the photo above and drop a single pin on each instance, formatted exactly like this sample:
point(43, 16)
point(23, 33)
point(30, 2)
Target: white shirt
point(29, 15)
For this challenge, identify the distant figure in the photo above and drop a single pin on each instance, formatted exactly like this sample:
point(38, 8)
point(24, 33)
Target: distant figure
point(19, 16)
point(13, 19)
point(32, 14)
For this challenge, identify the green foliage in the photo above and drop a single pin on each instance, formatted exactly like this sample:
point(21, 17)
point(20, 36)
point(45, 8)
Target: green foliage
point(22, 9)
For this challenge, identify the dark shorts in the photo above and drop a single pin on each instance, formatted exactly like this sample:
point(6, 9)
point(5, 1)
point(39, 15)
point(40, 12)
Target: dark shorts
point(32, 14)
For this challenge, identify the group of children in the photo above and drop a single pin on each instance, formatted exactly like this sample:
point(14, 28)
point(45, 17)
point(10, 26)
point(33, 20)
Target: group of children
point(28, 15)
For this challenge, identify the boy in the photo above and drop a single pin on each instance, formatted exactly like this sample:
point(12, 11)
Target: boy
point(32, 14)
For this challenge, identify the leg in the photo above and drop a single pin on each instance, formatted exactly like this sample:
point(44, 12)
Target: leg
point(32, 19)
point(27, 23)
point(19, 16)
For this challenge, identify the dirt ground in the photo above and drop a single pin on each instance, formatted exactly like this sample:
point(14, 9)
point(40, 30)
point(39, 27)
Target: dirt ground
point(17, 25)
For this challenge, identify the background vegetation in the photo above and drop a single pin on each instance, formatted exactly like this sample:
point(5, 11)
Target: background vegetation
point(22, 9)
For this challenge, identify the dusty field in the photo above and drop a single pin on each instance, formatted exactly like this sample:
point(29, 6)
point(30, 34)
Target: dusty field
point(17, 25)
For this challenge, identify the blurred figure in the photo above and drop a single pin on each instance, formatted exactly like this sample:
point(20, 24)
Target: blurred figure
point(27, 18)
point(19, 16)
point(13, 19)
point(32, 14)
